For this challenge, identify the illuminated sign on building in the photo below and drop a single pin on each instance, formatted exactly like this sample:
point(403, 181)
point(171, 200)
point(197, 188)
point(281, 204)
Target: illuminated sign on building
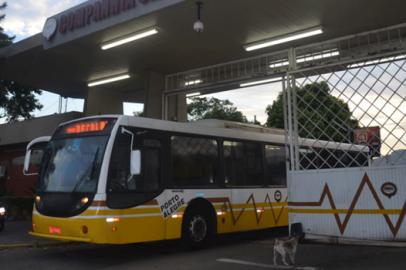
point(95, 12)
point(96, 15)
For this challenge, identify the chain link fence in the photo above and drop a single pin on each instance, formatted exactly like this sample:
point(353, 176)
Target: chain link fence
point(348, 115)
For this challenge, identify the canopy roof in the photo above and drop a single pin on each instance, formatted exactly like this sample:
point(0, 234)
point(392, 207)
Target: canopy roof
point(66, 66)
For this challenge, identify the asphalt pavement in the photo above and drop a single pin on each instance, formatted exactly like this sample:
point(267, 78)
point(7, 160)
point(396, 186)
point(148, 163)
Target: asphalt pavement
point(15, 235)
point(237, 252)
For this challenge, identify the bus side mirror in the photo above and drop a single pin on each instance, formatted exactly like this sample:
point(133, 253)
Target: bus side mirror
point(135, 166)
point(27, 159)
point(36, 144)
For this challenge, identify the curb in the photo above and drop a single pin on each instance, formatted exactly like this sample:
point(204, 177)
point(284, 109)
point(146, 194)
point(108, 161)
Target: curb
point(356, 242)
point(35, 245)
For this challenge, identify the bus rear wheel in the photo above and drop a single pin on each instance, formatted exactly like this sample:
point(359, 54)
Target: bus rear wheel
point(196, 231)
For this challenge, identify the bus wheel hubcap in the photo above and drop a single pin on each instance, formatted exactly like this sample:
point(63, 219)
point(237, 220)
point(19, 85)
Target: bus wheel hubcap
point(198, 228)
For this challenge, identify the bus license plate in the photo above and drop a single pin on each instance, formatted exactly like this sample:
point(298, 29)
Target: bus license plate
point(54, 230)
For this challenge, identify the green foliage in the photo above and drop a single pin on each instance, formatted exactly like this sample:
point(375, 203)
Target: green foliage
point(275, 113)
point(16, 101)
point(315, 103)
point(255, 122)
point(213, 108)
point(5, 40)
point(139, 114)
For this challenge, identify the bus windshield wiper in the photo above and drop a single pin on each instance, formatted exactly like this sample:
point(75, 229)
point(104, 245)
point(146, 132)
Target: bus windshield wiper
point(84, 176)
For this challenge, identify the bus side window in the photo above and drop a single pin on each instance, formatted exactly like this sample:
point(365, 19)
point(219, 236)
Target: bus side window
point(275, 160)
point(120, 178)
point(194, 161)
point(149, 178)
point(242, 164)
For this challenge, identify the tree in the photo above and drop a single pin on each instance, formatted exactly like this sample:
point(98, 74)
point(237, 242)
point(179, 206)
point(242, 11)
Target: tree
point(139, 114)
point(275, 113)
point(317, 110)
point(16, 101)
point(203, 108)
point(5, 40)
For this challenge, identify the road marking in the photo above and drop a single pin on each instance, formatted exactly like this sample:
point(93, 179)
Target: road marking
point(270, 266)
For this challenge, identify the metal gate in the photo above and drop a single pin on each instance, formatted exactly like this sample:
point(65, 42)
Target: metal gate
point(346, 123)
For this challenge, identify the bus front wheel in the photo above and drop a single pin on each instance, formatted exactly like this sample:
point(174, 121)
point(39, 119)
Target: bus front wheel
point(196, 231)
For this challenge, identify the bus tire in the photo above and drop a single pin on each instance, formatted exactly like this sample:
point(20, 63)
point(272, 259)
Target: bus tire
point(197, 229)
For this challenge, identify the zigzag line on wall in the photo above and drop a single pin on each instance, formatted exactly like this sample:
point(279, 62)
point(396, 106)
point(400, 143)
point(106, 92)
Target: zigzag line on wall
point(326, 193)
point(258, 214)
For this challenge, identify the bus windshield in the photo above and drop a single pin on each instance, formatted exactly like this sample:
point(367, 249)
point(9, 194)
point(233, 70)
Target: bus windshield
point(72, 164)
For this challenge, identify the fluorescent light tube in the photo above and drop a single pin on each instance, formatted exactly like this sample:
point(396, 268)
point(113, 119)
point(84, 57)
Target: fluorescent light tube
point(188, 83)
point(307, 58)
point(260, 82)
point(279, 64)
point(108, 80)
point(193, 94)
point(127, 39)
point(284, 39)
point(318, 56)
point(378, 61)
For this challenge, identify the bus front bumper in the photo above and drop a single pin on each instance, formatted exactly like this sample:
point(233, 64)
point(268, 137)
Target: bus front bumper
point(60, 237)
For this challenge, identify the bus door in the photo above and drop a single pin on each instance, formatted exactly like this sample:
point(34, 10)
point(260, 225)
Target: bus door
point(136, 180)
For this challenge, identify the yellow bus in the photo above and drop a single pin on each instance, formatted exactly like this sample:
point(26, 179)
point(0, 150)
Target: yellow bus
point(121, 179)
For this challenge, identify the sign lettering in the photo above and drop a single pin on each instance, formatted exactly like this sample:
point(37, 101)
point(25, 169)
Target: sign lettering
point(95, 12)
point(389, 189)
point(172, 205)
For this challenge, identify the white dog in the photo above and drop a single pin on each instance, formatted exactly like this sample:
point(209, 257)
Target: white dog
point(285, 247)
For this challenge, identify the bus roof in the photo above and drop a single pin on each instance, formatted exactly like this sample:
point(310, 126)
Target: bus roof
point(224, 129)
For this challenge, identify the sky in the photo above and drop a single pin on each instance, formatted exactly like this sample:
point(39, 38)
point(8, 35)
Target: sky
point(252, 101)
point(25, 18)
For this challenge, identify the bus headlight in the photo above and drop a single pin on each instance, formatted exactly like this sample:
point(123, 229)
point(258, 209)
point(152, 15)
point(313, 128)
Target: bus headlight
point(84, 200)
point(2, 211)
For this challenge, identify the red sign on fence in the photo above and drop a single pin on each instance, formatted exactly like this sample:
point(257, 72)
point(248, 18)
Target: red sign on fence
point(370, 136)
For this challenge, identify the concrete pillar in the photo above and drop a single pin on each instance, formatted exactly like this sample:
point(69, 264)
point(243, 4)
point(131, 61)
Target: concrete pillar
point(103, 101)
point(177, 108)
point(154, 87)
point(176, 104)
